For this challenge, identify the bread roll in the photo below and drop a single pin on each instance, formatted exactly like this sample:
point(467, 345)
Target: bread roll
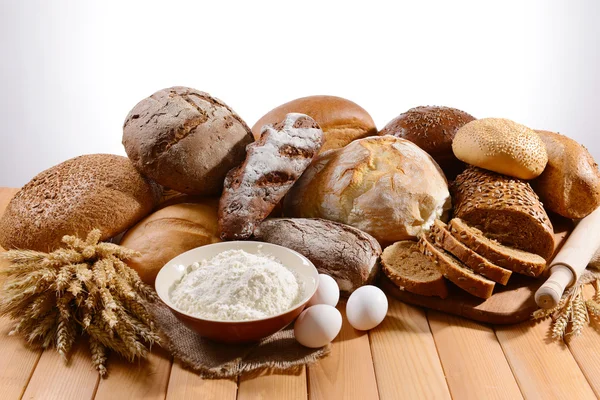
point(432, 128)
point(502, 146)
point(102, 191)
point(570, 184)
point(504, 209)
point(382, 185)
point(341, 120)
point(169, 232)
point(185, 139)
point(347, 254)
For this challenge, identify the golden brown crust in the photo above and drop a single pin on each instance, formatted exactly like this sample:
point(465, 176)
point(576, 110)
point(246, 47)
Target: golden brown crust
point(341, 120)
point(432, 128)
point(102, 191)
point(570, 184)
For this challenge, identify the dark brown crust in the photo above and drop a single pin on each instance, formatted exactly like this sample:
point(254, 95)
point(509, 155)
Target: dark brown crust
point(185, 139)
point(347, 254)
point(436, 287)
point(432, 128)
point(272, 166)
point(445, 240)
point(102, 191)
point(495, 252)
point(505, 209)
point(456, 272)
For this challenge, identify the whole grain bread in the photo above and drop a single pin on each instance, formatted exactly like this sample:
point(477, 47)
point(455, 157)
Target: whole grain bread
point(102, 191)
point(273, 164)
point(513, 259)
point(470, 258)
point(455, 271)
point(411, 270)
point(348, 255)
point(505, 209)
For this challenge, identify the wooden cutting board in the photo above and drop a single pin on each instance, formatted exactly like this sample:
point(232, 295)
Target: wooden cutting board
point(509, 304)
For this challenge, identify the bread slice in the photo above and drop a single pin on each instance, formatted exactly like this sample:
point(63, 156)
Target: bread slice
point(455, 271)
point(412, 271)
point(516, 260)
point(471, 259)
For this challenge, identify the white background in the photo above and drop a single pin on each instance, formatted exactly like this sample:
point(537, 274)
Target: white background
point(70, 71)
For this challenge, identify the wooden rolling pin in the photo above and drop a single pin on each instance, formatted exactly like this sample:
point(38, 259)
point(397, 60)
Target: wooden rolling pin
point(571, 260)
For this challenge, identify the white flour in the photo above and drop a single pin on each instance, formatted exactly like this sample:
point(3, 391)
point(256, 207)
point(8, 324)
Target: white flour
point(237, 286)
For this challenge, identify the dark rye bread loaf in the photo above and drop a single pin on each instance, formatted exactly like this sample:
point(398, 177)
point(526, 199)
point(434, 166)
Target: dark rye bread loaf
point(444, 239)
point(516, 260)
point(102, 191)
point(273, 164)
point(348, 255)
point(455, 271)
point(411, 270)
point(505, 209)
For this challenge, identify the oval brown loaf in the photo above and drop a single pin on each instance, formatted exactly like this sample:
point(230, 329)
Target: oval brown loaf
point(347, 254)
point(341, 120)
point(168, 232)
point(505, 209)
point(570, 184)
point(98, 191)
point(185, 139)
point(432, 128)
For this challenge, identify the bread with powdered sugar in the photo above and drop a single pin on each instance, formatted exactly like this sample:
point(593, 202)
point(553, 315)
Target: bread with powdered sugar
point(272, 165)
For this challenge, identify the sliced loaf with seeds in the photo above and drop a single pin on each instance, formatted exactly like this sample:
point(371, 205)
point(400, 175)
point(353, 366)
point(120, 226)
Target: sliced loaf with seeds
point(471, 259)
point(516, 260)
point(455, 271)
point(412, 271)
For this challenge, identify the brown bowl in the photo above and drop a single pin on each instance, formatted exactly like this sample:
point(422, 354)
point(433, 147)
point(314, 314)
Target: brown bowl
point(237, 331)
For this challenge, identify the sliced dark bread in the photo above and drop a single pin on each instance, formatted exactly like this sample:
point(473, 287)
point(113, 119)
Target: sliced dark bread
point(516, 260)
point(455, 271)
point(471, 259)
point(412, 271)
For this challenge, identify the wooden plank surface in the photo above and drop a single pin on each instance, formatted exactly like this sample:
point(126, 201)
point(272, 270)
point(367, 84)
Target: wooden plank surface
point(268, 384)
point(347, 373)
point(462, 342)
point(406, 361)
point(186, 385)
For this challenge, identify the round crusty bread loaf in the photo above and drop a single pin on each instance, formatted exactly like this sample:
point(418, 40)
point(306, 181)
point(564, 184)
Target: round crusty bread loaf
point(502, 146)
point(382, 185)
point(102, 191)
point(185, 139)
point(168, 232)
point(570, 184)
point(341, 120)
point(432, 128)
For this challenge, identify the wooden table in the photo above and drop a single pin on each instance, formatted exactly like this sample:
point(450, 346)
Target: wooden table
point(413, 354)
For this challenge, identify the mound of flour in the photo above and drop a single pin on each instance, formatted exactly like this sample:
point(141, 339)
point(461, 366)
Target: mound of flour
point(236, 286)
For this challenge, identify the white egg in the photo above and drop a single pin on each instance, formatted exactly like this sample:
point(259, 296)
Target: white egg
point(328, 292)
point(318, 325)
point(366, 307)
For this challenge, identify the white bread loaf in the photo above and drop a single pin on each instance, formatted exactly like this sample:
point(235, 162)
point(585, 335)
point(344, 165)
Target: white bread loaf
point(383, 185)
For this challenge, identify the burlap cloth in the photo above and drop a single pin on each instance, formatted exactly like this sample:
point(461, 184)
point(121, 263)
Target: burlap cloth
point(279, 351)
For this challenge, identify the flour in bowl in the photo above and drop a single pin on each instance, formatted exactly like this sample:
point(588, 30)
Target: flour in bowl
point(237, 286)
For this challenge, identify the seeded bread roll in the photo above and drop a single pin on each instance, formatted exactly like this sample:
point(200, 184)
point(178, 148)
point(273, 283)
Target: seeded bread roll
point(515, 260)
point(505, 209)
point(102, 191)
point(348, 255)
point(502, 146)
point(382, 185)
point(570, 184)
point(432, 128)
point(273, 163)
point(444, 240)
point(341, 120)
point(185, 139)
point(455, 271)
point(168, 232)
point(413, 271)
